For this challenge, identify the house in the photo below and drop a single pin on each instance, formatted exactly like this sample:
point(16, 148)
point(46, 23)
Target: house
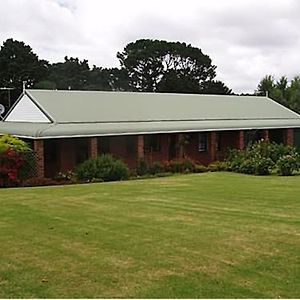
point(67, 127)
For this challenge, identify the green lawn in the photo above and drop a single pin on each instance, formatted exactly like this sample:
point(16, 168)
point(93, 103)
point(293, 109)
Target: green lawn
point(212, 235)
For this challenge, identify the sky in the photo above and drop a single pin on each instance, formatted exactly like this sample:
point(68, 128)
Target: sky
point(246, 39)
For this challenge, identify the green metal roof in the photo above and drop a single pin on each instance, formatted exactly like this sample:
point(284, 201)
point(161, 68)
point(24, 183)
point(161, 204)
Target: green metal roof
point(82, 106)
point(89, 113)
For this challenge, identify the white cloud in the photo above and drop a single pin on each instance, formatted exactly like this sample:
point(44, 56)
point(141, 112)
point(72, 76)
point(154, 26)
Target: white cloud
point(245, 39)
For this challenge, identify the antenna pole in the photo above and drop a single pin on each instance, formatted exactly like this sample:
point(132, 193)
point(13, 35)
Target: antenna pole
point(2, 110)
point(8, 89)
point(8, 98)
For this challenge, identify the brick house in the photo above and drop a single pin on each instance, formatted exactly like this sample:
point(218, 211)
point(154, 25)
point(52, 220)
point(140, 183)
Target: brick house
point(67, 127)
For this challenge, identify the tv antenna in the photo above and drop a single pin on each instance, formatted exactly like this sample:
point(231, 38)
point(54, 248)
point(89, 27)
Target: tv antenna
point(2, 110)
point(8, 89)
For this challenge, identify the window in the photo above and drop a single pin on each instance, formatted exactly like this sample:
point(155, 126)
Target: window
point(152, 143)
point(202, 145)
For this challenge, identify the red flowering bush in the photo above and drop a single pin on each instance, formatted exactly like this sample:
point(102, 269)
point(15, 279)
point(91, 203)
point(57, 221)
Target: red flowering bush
point(10, 164)
point(13, 160)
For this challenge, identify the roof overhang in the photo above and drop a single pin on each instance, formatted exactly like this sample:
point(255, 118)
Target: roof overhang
point(71, 130)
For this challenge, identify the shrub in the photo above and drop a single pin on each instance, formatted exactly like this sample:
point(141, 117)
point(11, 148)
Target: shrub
point(235, 159)
point(257, 165)
point(200, 169)
point(263, 166)
point(103, 168)
point(142, 167)
point(276, 151)
point(258, 149)
point(155, 168)
point(217, 166)
point(246, 166)
point(65, 176)
point(10, 163)
point(270, 150)
point(261, 157)
point(17, 161)
point(174, 166)
point(185, 165)
point(10, 142)
point(166, 166)
point(287, 164)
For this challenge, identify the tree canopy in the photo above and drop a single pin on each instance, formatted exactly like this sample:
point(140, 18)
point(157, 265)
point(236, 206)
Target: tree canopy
point(18, 63)
point(146, 65)
point(70, 74)
point(105, 79)
point(282, 90)
point(161, 66)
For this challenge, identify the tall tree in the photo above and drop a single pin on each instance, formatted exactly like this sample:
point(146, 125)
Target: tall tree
point(266, 86)
point(161, 66)
point(104, 79)
point(18, 63)
point(293, 93)
point(282, 91)
point(216, 87)
point(70, 74)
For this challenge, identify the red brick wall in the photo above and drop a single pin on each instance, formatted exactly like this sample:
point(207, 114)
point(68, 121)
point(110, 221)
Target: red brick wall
point(93, 147)
point(140, 147)
point(127, 148)
point(71, 152)
point(38, 147)
point(66, 155)
point(265, 134)
point(118, 145)
point(67, 149)
point(163, 153)
point(192, 150)
point(228, 140)
point(289, 137)
point(119, 148)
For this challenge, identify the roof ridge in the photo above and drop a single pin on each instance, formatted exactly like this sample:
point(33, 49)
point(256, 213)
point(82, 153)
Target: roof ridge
point(145, 93)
